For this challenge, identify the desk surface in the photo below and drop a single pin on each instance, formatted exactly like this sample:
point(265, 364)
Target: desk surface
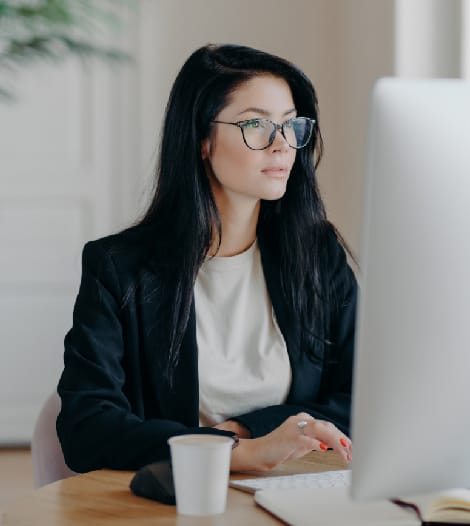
point(103, 498)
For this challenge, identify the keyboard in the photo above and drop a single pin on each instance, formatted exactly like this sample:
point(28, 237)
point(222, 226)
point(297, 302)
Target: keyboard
point(325, 479)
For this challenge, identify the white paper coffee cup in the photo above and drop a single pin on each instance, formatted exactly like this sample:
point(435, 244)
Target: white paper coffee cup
point(201, 466)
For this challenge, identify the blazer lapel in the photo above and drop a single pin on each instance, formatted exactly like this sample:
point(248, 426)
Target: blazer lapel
point(289, 327)
point(179, 402)
point(306, 374)
point(183, 400)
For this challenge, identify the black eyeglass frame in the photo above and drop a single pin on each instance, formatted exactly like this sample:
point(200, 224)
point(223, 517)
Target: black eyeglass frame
point(277, 127)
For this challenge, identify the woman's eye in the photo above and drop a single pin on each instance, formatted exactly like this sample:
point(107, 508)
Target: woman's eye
point(252, 124)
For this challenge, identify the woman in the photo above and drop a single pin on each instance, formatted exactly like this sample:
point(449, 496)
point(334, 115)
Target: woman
point(230, 307)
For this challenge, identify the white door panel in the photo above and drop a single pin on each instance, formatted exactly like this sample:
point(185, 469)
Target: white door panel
point(59, 146)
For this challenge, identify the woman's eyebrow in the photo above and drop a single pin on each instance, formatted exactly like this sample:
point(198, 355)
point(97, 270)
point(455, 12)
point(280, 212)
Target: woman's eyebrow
point(261, 111)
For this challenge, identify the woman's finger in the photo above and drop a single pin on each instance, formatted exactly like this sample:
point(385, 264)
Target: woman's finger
point(328, 435)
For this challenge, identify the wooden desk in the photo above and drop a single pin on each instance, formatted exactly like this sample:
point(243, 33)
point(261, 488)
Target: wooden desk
point(103, 498)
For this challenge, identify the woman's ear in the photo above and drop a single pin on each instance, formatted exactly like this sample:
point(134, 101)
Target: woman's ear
point(205, 149)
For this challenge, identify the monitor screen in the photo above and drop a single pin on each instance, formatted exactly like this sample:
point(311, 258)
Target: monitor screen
point(411, 393)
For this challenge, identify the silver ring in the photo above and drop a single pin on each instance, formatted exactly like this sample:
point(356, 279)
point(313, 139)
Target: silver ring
point(301, 425)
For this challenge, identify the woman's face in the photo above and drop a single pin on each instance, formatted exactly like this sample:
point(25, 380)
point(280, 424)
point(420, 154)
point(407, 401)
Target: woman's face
point(235, 171)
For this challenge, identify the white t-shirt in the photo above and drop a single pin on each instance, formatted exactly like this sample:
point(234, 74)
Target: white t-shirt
point(242, 356)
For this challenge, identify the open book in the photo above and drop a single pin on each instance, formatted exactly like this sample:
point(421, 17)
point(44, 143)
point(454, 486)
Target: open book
point(445, 507)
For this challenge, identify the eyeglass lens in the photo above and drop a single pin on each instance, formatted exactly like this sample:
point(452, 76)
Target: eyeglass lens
point(260, 133)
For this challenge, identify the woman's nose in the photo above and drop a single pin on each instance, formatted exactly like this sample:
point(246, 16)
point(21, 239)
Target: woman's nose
point(279, 142)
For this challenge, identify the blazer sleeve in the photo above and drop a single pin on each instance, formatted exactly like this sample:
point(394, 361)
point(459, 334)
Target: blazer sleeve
point(334, 400)
point(96, 426)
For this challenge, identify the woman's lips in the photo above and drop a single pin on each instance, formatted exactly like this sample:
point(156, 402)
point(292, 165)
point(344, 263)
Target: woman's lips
point(276, 171)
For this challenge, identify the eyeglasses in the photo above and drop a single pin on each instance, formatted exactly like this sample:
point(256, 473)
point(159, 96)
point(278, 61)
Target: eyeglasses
point(259, 134)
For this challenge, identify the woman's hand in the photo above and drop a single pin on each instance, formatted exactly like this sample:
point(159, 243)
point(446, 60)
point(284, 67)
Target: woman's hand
point(294, 438)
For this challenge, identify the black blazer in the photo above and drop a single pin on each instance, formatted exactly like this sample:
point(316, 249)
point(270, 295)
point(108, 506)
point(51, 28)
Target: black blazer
point(117, 409)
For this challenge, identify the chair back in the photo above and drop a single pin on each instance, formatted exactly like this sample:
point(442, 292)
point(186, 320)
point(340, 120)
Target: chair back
point(46, 453)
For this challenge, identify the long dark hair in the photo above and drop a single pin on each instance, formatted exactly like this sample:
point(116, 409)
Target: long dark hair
point(184, 214)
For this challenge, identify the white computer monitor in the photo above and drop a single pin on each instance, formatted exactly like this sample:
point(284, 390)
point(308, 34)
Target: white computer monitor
point(411, 393)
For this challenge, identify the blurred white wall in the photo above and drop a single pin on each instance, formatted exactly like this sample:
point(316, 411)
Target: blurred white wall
point(428, 38)
point(465, 56)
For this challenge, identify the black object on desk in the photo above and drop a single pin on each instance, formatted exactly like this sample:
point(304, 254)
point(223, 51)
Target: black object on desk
point(155, 481)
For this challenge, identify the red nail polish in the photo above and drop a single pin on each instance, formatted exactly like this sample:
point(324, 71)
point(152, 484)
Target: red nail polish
point(343, 442)
point(323, 446)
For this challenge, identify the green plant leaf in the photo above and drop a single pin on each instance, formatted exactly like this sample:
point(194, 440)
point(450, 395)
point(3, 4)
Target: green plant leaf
point(38, 30)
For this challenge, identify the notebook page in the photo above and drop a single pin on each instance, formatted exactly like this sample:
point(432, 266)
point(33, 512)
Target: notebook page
point(332, 507)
